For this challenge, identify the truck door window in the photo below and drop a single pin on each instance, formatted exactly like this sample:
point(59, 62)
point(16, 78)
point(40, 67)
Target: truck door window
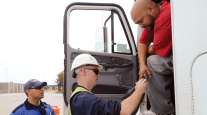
point(100, 28)
point(120, 38)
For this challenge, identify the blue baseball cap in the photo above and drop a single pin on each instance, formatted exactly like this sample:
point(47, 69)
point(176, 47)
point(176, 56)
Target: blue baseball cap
point(33, 84)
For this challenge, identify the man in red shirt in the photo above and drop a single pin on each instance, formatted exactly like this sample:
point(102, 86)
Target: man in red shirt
point(155, 53)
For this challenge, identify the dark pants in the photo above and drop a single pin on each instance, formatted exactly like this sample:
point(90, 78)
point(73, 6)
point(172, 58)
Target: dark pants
point(161, 86)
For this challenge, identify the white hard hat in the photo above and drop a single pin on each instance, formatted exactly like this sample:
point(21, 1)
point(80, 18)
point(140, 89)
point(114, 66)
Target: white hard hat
point(84, 59)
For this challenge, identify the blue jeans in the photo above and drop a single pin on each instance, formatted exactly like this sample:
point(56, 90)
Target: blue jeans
point(161, 85)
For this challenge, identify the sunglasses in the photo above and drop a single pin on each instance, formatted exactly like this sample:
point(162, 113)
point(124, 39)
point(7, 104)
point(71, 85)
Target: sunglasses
point(96, 71)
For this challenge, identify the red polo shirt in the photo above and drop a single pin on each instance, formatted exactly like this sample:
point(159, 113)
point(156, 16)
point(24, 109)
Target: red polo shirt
point(162, 38)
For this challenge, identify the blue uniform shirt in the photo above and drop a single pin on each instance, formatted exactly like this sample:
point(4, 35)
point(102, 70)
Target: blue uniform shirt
point(28, 109)
point(86, 103)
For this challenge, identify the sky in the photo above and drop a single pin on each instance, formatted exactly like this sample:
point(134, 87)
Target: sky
point(31, 38)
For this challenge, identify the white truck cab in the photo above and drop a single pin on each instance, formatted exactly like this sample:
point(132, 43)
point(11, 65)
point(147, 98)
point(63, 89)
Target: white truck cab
point(103, 30)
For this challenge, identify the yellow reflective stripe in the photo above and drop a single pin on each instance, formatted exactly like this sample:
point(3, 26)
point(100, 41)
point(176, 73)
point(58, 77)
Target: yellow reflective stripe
point(77, 90)
point(69, 113)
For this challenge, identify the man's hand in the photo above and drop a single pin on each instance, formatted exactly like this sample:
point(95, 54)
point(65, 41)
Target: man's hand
point(141, 85)
point(144, 72)
point(129, 105)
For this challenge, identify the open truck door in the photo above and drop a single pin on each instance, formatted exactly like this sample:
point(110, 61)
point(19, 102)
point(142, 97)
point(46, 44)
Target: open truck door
point(103, 31)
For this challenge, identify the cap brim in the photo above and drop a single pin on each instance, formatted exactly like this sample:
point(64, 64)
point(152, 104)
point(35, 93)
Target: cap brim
point(43, 84)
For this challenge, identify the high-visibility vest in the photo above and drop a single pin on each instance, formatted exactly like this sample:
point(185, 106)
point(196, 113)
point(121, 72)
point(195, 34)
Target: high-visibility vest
point(77, 90)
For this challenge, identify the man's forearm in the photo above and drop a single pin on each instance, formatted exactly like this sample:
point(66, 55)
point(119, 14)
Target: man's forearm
point(142, 52)
point(129, 105)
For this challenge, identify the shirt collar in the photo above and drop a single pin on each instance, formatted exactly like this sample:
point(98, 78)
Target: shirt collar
point(28, 105)
point(75, 85)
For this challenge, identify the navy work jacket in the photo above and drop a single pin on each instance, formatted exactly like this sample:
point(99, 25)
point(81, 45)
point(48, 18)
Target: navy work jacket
point(87, 103)
point(28, 109)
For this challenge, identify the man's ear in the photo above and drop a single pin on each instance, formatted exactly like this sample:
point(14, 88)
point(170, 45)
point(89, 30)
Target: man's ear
point(26, 92)
point(149, 8)
point(153, 8)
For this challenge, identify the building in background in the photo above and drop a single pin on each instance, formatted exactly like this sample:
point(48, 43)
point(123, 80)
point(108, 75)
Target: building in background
point(11, 87)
